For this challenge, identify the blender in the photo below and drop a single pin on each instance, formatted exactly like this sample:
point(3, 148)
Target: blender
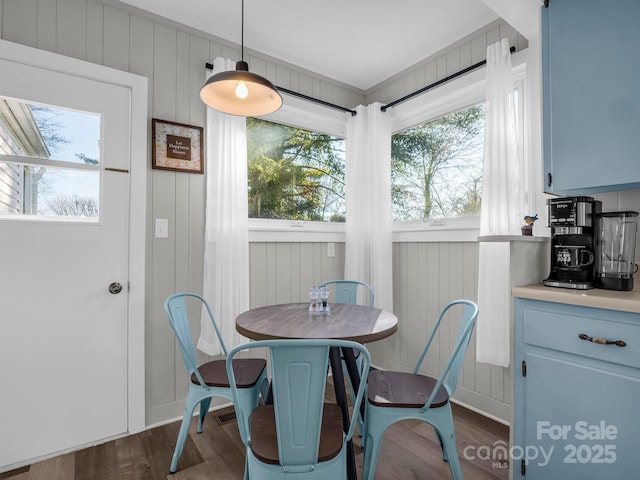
point(616, 250)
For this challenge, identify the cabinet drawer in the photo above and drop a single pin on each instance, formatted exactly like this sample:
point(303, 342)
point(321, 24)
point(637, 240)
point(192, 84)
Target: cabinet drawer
point(559, 331)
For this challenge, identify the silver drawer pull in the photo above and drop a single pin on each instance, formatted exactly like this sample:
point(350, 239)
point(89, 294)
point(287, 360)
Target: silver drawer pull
point(602, 341)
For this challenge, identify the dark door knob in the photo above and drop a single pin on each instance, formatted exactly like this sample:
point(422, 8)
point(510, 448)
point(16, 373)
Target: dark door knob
point(115, 288)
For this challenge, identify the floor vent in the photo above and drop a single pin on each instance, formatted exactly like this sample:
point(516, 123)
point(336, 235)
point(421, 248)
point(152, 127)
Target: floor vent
point(225, 415)
point(12, 473)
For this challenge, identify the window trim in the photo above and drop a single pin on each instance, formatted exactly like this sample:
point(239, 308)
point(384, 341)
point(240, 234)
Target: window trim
point(299, 113)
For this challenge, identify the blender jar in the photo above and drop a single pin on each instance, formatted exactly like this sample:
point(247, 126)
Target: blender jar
point(616, 244)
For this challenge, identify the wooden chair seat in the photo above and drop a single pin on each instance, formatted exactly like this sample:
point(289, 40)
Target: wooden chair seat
point(246, 370)
point(403, 390)
point(264, 441)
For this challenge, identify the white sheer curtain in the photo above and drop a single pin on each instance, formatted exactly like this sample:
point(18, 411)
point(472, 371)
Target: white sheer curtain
point(502, 208)
point(368, 247)
point(226, 255)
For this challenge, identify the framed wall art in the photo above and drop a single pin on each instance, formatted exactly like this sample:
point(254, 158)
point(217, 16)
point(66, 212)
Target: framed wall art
point(177, 147)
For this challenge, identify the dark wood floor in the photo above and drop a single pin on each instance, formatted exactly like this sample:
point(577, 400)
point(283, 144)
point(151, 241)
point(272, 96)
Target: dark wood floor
point(410, 451)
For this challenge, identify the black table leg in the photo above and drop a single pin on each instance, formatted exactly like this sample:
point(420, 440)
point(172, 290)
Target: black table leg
point(354, 375)
point(341, 400)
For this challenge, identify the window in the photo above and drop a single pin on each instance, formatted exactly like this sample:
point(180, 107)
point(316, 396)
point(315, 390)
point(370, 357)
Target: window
point(436, 167)
point(294, 173)
point(49, 161)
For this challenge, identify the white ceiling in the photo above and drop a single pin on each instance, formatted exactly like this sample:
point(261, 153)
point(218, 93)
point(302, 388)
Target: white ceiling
point(358, 42)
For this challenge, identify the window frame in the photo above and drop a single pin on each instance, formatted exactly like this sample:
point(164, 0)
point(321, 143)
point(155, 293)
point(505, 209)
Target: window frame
point(23, 160)
point(459, 93)
point(299, 113)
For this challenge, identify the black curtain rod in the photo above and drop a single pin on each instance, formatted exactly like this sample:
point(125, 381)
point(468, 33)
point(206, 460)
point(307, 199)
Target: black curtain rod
point(317, 100)
point(209, 66)
point(435, 84)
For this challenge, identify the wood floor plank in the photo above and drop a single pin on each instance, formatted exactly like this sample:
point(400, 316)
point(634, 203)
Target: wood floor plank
point(410, 450)
point(61, 467)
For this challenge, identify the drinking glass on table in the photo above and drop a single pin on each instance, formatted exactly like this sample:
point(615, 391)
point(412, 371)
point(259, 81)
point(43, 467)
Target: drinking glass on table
point(324, 298)
point(313, 299)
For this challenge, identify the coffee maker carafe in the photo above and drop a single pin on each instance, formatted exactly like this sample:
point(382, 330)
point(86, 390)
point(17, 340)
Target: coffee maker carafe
point(616, 250)
point(573, 222)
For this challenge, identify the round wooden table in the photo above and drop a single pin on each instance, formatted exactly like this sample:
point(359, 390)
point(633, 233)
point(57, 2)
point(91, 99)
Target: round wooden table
point(292, 321)
point(357, 323)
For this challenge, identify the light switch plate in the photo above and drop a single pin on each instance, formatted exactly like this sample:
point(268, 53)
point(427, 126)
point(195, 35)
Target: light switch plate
point(331, 249)
point(162, 228)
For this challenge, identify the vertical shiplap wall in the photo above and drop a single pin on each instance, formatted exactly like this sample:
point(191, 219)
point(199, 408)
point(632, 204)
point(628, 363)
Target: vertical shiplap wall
point(172, 57)
point(462, 54)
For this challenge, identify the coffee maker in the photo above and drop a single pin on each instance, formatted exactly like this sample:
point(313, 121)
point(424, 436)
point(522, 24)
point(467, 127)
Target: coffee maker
point(574, 229)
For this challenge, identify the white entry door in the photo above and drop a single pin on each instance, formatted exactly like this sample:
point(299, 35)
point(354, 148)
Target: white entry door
point(64, 331)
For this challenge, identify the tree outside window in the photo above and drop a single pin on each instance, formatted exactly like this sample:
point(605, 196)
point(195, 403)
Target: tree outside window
point(436, 167)
point(294, 174)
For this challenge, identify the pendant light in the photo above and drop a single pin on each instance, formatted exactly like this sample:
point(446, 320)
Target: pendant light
point(240, 92)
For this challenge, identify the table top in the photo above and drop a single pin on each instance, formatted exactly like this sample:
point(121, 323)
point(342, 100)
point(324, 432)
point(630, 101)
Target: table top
point(292, 321)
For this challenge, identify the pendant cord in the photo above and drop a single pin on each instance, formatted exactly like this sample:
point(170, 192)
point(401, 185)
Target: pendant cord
point(242, 33)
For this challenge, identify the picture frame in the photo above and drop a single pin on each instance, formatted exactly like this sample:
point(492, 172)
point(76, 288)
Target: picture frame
point(176, 146)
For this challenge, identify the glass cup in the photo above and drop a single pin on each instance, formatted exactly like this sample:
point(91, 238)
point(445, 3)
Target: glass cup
point(313, 299)
point(324, 298)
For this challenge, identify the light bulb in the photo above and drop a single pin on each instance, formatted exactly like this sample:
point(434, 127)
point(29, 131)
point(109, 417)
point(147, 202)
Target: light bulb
point(241, 90)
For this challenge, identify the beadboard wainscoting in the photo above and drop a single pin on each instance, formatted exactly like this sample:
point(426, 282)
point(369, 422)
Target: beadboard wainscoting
point(282, 272)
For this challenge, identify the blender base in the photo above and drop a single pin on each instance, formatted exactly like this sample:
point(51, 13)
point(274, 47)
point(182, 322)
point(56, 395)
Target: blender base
point(616, 283)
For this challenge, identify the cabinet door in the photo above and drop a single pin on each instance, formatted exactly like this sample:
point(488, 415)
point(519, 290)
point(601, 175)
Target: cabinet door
point(580, 419)
point(591, 99)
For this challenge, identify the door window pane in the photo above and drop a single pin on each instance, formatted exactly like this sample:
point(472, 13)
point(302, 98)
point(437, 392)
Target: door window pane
point(49, 161)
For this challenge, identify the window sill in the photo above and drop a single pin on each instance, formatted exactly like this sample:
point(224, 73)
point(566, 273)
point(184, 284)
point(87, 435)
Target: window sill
point(512, 238)
point(464, 229)
point(461, 229)
point(263, 230)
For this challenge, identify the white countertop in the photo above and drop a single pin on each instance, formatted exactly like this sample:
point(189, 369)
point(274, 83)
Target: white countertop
point(597, 298)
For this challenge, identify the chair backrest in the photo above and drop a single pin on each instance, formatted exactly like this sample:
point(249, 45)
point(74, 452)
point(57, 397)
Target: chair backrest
point(298, 379)
point(347, 291)
point(178, 316)
point(450, 373)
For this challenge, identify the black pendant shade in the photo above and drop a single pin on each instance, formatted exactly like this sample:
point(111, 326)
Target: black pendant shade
point(240, 92)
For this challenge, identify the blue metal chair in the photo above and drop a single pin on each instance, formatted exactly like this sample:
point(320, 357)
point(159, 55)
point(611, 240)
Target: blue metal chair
point(210, 379)
point(299, 436)
point(346, 291)
point(395, 396)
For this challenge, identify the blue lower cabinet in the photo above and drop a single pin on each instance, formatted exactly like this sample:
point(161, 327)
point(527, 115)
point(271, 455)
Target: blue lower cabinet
point(576, 402)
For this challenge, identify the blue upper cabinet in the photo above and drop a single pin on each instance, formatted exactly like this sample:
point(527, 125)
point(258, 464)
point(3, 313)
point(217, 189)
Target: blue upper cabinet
point(591, 95)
